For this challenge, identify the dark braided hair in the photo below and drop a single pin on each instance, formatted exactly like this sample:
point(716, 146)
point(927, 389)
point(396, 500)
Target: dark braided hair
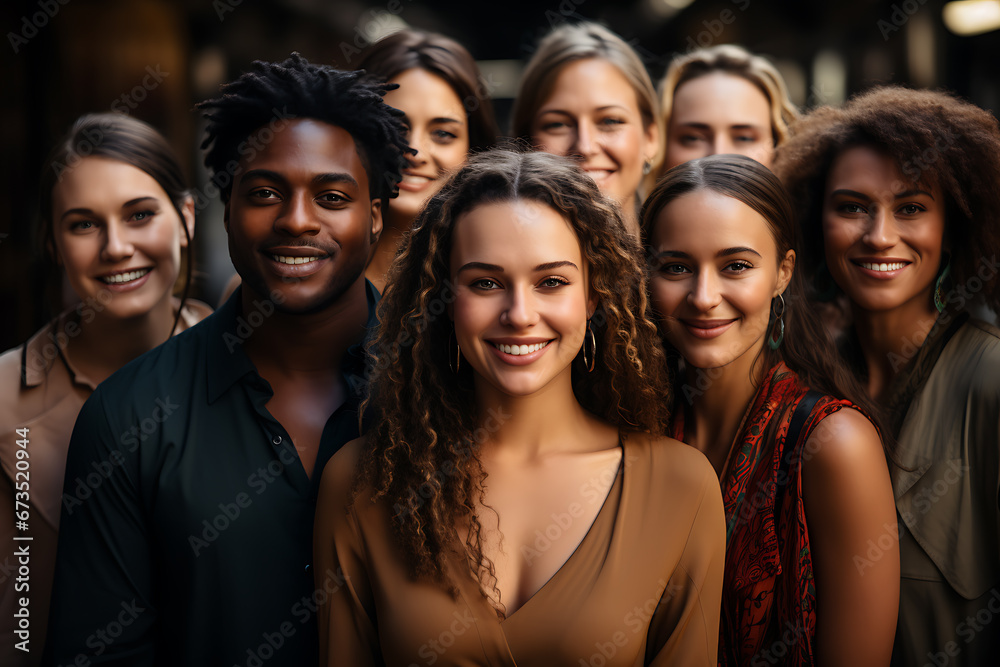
point(263, 99)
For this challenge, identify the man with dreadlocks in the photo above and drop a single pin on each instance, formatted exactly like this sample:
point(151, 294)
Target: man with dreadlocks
point(193, 472)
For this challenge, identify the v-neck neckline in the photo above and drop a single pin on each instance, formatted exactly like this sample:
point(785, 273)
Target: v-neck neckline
point(616, 485)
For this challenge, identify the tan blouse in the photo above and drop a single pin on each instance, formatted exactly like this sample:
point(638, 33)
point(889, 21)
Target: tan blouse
point(642, 588)
point(40, 390)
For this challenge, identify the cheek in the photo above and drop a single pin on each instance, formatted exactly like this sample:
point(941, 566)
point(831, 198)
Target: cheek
point(666, 295)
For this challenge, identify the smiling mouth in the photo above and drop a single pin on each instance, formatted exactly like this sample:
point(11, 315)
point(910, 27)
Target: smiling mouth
point(124, 277)
point(284, 259)
point(883, 266)
point(518, 350)
point(599, 174)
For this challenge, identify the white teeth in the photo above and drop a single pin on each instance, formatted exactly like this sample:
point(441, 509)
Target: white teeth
point(518, 350)
point(126, 277)
point(893, 266)
point(294, 260)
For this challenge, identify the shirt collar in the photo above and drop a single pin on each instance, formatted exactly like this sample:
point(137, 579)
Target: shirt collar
point(48, 347)
point(227, 362)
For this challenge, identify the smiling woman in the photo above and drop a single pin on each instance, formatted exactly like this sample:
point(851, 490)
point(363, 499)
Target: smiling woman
point(586, 94)
point(803, 476)
point(447, 112)
point(897, 195)
point(115, 219)
point(518, 479)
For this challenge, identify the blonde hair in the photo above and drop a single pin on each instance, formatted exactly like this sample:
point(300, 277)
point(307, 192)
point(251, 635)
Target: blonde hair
point(580, 41)
point(736, 61)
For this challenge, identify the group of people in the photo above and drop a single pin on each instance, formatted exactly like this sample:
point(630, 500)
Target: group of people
point(677, 379)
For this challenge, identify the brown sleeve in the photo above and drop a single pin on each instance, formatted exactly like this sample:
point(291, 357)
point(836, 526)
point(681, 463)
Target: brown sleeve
point(684, 630)
point(347, 631)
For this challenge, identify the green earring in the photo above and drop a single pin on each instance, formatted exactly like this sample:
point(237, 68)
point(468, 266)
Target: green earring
point(940, 299)
point(773, 343)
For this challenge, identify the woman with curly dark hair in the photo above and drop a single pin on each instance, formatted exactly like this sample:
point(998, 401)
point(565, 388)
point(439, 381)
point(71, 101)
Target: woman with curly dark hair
point(803, 475)
point(898, 195)
point(518, 480)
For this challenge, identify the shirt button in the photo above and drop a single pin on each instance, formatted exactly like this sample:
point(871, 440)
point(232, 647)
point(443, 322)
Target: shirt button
point(276, 440)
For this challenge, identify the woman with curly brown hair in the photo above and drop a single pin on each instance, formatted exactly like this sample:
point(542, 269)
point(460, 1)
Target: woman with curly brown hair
point(804, 481)
point(898, 195)
point(516, 502)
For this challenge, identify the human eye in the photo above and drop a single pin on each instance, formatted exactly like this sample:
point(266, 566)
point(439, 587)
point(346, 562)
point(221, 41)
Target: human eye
point(334, 198)
point(673, 269)
point(690, 139)
point(911, 209)
point(443, 136)
point(142, 216)
point(739, 266)
point(264, 194)
point(746, 138)
point(554, 126)
point(851, 208)
point(554, 281)
point(611, 122)
point(485, 284)
point(81, 226)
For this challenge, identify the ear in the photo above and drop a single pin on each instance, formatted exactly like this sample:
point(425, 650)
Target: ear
point(376, 220)
point(653, 147)
point(187, 212)
point(785, 270)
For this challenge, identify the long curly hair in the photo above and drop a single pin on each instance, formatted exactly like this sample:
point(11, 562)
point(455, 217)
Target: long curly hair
point(423, 454)
point(934, 138)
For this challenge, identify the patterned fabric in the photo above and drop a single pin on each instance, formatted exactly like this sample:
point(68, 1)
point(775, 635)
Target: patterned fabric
point(768, 596)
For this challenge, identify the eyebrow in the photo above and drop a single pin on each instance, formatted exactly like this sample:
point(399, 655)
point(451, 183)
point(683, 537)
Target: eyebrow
point(87, 211)
point(567, 113)
point(444, 119)
point(330, 177)
point(548, 266)
point(860, 195)
point(725, 252)
point(705, 126)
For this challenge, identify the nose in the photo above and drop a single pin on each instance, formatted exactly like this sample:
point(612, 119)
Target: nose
point(722, 144)
point(704, 294)
point(418, 143)
point(117, 242)
point(882, 232)
point(296, 217)
point(521, 311)
point(585, 142)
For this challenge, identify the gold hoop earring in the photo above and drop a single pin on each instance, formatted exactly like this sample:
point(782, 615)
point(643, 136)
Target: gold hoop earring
point(458, 354)
point(589, 338)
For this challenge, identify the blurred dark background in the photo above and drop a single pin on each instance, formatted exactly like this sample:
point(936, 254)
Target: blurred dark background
point(62, 58)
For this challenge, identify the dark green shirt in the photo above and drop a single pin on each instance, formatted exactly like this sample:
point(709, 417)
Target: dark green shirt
point(186, 529)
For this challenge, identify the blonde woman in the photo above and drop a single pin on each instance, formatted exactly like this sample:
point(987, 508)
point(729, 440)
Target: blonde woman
point(585, 93)
point(723, 99)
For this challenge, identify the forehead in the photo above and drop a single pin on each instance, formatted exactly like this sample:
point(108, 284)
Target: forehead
point(588, 84)
point(720, 98)
point(423, 92)
point(703, 222)
point(304, 148)
point(514, 235)
point(97, 182)
point(871, 171)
